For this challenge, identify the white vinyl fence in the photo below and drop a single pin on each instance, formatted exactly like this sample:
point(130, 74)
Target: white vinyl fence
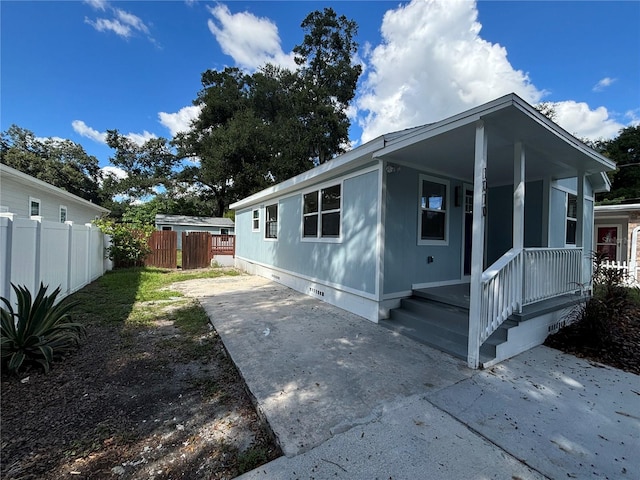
point(33, 250)
point(630, 273)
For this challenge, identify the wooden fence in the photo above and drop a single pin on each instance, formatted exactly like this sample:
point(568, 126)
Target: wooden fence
point(164, 249)
point(196, 250)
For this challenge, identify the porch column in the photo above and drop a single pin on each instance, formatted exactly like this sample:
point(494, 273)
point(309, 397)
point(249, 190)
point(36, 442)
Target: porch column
point(477, 247)
point(518, 212)
point(580, 231)
point(518, 195)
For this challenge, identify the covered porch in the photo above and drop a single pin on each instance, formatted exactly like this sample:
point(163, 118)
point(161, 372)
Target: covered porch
point(506, 143)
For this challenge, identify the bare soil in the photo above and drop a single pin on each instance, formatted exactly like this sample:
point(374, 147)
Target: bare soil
point(147, 402)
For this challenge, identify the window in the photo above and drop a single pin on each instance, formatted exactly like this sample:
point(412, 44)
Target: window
point(271, 221)
point(167, 228)
point(433, 223)
point(255, 220)
point(34, 206)
point(224, 231)
point(321, 213)
point(63, 214)
point(572, 219)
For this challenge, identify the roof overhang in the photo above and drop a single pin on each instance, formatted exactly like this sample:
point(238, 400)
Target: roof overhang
point(24, 179)
point(621, 208)
point(448, 146)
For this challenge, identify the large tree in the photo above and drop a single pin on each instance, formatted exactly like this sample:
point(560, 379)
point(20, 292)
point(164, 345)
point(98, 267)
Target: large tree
point(255, 130)
point(625, 151)
point(61, 163)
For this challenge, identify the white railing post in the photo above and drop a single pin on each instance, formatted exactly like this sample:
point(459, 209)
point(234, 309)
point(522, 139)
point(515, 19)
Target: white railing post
point(477, 248)
point(518, 210)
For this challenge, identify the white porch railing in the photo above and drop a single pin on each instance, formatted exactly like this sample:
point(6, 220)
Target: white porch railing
point(524, 276)
point(551, 272)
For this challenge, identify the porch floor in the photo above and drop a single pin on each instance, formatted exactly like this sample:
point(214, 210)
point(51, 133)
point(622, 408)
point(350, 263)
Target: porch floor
point(439, 317)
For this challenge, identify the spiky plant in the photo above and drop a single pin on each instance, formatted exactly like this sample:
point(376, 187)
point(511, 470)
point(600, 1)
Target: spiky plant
point(39, 331)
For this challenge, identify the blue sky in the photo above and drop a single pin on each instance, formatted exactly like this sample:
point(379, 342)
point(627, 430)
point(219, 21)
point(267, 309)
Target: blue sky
point(75, 69)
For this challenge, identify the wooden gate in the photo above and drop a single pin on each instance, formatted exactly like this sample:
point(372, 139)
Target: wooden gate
point(196, 250)
point(164, 249)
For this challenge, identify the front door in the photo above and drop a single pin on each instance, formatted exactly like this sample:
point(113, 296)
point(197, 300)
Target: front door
point(467, 229)
point(608, 241)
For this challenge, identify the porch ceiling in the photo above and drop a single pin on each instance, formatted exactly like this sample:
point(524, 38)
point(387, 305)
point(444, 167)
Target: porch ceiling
point(548, 152)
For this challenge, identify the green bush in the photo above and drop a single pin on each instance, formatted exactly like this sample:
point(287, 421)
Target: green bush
point(129, 242)
point(39, 331)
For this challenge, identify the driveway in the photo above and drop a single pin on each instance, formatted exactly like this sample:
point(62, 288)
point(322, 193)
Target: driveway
point(349, 399)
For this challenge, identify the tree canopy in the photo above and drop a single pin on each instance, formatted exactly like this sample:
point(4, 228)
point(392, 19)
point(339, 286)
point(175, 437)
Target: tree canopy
point(61, 163)
point(625, 151)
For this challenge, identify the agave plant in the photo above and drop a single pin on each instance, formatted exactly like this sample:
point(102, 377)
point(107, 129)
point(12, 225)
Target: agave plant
point(39, 331)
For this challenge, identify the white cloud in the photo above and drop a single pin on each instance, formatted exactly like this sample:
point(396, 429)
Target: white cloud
point(115, 172)
point(122, 23)
point(604, 83)
point(433, 63)
point(181, 120)
point(98, 4)
point(583, 122)
point(140, 138)
point(84, 130)
point(251, 41)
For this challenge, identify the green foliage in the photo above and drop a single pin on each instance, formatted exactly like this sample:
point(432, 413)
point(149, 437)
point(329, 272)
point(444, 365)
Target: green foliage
point(625, 151)
point(260, 129)
point(129, 242)
point(148, 166)
point(61, 163)
point(596, 318)
point(39, 331)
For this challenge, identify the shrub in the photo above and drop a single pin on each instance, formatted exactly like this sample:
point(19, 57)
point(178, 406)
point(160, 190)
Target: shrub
point(129, 242)
point(596, 319)
point(39, 331)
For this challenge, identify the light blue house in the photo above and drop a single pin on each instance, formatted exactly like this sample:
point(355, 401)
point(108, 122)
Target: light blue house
point(472, 234)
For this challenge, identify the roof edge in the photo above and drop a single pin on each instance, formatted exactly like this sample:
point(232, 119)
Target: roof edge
point(21, 176)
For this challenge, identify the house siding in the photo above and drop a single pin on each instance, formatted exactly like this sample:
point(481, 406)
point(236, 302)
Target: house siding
point(405, 262)
point(349, 263)
point(15, 196)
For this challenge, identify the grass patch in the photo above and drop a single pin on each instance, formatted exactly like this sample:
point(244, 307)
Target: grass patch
point(117, 295)
point(191, 319)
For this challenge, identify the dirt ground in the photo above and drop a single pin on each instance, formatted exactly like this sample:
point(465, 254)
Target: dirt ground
point(150, 402)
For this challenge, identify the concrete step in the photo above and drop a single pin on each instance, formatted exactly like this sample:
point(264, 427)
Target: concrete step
point(438, 325)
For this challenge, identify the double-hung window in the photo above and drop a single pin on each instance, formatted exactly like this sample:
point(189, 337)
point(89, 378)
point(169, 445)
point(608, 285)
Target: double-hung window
point(321, 213)
point(255, 220)
point(271, 221)
point(433, 221)
point(63, 214)
point(34, 206)
point(572, 219)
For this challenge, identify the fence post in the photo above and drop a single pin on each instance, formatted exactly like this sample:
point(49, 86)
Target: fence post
point(69, 225)
point(38, 260)
point(6, 243)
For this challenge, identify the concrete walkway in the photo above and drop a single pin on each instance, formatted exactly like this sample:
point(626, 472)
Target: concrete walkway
point(349, 399)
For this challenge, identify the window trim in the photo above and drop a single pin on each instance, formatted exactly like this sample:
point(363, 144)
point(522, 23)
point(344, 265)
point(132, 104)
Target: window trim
point(447, 197)
point(568, 219)
point(63, 208)
point(318, 189)
point(34, 200)
point(267, 222)
point(255, 219)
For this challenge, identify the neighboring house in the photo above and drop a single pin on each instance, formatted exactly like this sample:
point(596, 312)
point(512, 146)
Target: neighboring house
point(46, 235)
point(488, 214)
point(616, 232)
point(27, 196)
point(183, 223)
